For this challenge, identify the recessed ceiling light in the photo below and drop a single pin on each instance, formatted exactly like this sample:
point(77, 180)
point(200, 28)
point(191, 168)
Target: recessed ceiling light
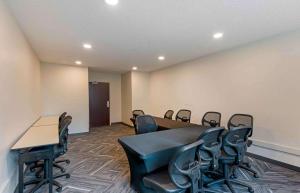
point(78, 62)
point(161, 58)
point(218, 35)
point(87, 46)
point(134, 68)
point(112, 2)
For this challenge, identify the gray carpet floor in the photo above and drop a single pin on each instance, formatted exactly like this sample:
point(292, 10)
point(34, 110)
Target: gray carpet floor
point(99, 165)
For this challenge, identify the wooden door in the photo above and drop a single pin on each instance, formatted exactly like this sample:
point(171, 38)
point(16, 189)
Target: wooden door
point(99, 104)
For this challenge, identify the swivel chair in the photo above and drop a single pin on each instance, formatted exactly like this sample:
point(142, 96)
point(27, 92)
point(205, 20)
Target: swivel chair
point(238, 120)
point(209, 153)
point(145, 124)
point(135, 114)
point(183, 173)
point(184, 115)
point(211, 119)
point(169, 114)
point(234, 149)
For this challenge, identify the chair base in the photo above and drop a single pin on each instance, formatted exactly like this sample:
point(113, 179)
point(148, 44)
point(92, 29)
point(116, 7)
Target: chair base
point(228, 181)
point(42, 181)
point(245, 166)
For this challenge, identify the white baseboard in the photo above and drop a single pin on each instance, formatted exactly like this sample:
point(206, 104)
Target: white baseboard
point(276, 152)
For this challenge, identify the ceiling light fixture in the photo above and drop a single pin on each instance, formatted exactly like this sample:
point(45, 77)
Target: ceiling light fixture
point(218, 35)
point(134, 68)
point(161, 58)
point(87, 46)
point(78, 62)
point(112, 2)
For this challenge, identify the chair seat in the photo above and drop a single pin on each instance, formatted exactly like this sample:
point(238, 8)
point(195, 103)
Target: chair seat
point(161, 183)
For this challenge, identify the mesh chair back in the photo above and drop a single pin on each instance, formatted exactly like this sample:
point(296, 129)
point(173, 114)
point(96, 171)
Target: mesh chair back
point(210, 150)
point(136, 113)
point(184, 115)
point(235, 142)
point(145, 124)
point(211, 119)
point(169, 114)
point(184, 169)
point(64, 132)
point(62, 116)
point(241, 120)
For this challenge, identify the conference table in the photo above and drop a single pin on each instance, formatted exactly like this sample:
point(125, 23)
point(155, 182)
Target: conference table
point(164, 124)
point(43, 133)
point(151, 151)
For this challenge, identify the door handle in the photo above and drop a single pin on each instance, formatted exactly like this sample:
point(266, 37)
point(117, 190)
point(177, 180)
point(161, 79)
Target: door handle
point(107, 104)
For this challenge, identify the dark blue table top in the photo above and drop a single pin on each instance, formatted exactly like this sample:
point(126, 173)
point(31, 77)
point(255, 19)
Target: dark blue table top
point(148, 145)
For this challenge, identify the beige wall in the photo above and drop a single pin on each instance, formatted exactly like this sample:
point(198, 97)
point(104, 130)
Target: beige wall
point(20, 94)
point(140, 90)
point(261, 79)
point(114, 81)
point(65, 88)
point(126, 98)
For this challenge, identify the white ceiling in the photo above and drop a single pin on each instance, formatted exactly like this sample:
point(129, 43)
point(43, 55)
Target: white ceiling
point(136, 32)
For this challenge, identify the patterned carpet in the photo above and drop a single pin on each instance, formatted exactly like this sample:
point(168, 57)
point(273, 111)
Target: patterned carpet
point(99, 165)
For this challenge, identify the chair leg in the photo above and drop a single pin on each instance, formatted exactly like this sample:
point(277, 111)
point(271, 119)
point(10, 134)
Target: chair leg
point(33, 181)
point(40, 184)
point(63, 161)
point(249, 170)
point(215, 182)
point(58, 185)
point(67, 175)
point(250, 189)
point(233, 173)
point(59, 167)
point(229, 185)
point(205, 190)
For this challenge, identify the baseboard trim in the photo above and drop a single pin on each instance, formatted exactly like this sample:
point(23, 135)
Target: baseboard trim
point(116, 123)
point(275, 162)
point(276, 147)
point(126, 124)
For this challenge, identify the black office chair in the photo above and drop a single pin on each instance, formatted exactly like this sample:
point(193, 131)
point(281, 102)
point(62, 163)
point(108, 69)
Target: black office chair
point(62, 116)
point(234, 149)
point(135, 114)
point(145, 124)
point(183, 173)
point(211, 119)
point(184, 115)
point(238, 120)
point(169, 114)
point(59, 150)
point(209, 154)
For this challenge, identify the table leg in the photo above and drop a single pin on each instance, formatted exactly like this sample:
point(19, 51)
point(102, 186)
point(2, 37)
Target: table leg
point(50, 170)
point(137, 172)
point(21, 174)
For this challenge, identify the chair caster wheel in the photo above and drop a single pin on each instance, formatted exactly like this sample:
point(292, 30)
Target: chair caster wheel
point(63, 170)
point(251, 190)
point(59, 189)
point(68, 161)
point(68, 176)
